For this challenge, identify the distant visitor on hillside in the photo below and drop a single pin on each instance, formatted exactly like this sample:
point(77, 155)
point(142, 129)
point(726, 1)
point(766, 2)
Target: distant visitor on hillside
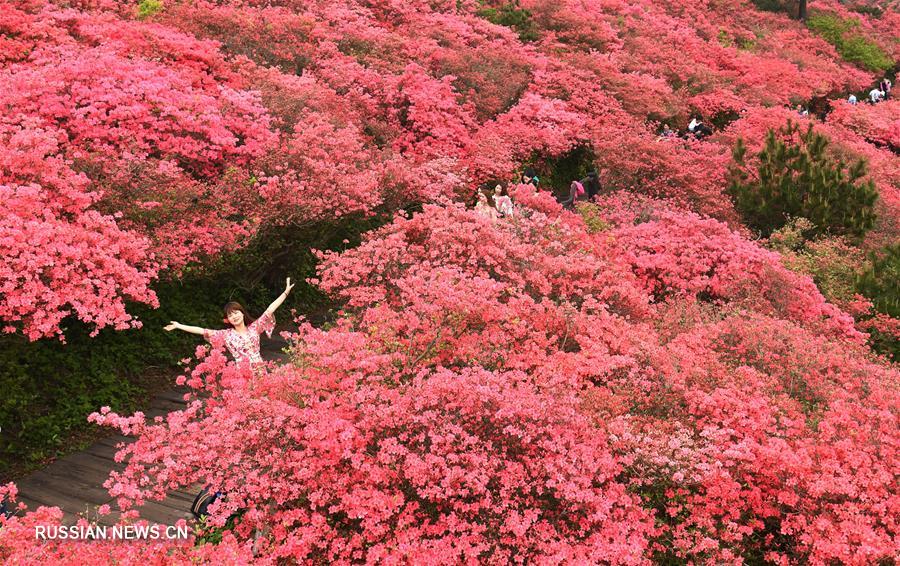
point(483, 206)
point(242, 339)
point(699, 129)
point(576, 193)
point(876, 95)
point(801, 111)
point(502, 203)
point(530, 176)
point(666, 133)
point(852, 99)
point(591, 183)
point(885, 87)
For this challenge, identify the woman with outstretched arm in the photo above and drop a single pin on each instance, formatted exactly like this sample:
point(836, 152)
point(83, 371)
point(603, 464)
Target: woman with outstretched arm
point(242, 338)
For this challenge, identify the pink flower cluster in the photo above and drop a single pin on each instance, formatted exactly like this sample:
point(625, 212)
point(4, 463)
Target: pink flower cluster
point(531, 390)
point(204, 122)
point(647, 387)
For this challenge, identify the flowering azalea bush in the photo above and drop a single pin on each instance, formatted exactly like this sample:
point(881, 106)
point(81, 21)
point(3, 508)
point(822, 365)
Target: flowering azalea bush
point(540, 389)
point(60, 256)
point(637, 383)
point(455, 466)
point(205, 123)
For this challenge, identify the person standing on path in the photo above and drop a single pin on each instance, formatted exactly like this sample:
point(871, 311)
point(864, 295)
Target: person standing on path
point(242, 339)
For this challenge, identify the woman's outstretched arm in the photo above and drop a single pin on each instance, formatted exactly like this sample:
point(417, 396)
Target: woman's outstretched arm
point(192, 329)
point(277, 302)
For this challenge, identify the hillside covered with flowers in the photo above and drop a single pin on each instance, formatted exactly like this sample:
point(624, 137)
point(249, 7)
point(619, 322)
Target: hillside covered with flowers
point(647, 377)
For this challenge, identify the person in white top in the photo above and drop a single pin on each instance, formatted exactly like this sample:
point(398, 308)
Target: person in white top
point(802, 111)
point(852, 99)
point(699, 129)
point(876, 95)
point(502, 202)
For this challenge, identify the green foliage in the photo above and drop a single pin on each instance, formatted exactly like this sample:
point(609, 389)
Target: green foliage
point(590, 213)
point(792, 236)
point(724, 39)
point(258, 271)
point(746, 43)
point(880, 282)
point(849, 41)
point(511, 16)
point(832, 262)
point(842, 271)
point(49, 387)
point(556, 173)
point(148, 8)
point(796, 177)
point(720, 120)
point(208, 534)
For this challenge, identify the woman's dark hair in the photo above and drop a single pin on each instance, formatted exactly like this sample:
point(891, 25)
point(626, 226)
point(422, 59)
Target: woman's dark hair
point(232, 306)
point(529, 172)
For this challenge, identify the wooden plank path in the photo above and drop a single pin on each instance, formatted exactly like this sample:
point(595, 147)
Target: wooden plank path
point(74, 483)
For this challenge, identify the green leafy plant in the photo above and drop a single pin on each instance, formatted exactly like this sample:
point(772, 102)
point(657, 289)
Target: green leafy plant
point(593, 220)
point(148, 8)
point(847, 38)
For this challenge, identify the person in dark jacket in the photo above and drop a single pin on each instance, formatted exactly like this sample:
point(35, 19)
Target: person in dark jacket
point(591, 184)
point(702, 131)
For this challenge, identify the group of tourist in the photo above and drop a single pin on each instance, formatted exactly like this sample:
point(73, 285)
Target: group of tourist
point(696, 129)
point(877, 94)
point(499, 205)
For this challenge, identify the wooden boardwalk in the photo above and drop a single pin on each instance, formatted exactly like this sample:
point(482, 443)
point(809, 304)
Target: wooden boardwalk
point(74, 483)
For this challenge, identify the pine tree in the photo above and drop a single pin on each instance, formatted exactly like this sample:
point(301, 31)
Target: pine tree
point(796, 177)
point(880, 282)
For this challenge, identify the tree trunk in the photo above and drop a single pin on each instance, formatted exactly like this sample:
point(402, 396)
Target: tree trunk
point(801, 12)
